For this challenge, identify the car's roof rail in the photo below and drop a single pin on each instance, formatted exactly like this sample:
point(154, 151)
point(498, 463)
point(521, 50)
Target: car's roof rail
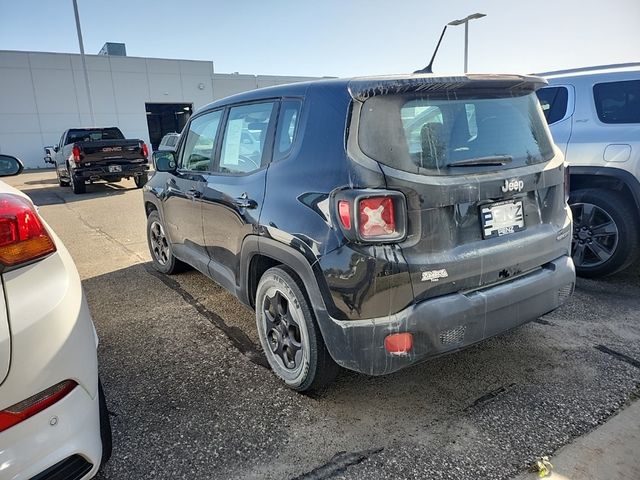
point(589, 69)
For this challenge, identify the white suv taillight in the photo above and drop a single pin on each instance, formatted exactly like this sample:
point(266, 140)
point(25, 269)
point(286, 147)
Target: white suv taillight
point(28, 408)
point(23, 237)
point(372, 216)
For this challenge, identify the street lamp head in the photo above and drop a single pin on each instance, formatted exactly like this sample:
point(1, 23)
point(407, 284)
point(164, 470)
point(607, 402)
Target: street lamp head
point(473, 16)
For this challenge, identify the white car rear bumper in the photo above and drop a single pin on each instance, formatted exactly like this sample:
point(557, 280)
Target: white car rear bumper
point(34, 445)
point(52, 340)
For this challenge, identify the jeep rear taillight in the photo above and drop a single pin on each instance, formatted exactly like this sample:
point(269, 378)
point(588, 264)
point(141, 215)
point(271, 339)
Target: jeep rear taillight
point(23, 237)
point(344, 212)
point(372, 216)
point(376, 217)
point(144, 149)
point(75, 152)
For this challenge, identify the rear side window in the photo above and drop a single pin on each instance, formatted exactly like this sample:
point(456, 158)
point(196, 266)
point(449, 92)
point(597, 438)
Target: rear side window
point(553, 101)
point(618, 102)
point(427, 135)
point(287, 126)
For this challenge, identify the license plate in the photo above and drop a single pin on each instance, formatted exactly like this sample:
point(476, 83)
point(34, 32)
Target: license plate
point(502, 218)
point(115, 168)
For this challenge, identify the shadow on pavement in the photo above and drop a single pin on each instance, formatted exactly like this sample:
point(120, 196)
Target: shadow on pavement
point(44, 181)
point(57, 194)
point(187, 404)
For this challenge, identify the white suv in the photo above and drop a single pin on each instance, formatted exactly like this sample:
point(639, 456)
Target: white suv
point(594, 116)
point(54, 422)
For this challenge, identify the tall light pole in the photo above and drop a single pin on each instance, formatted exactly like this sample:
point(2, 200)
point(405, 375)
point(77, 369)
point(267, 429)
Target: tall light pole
point(465, 20)
point(84, 63)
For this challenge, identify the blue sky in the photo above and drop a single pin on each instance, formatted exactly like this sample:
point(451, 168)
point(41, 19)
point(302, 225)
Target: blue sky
point(336, 37)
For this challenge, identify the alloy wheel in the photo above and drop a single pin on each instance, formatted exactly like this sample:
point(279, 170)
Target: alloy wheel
point(595, 235)
point(159, 243)
point(282, 328)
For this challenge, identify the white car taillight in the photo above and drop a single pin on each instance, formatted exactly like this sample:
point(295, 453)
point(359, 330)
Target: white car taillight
point(23, 237)
point(28, 408)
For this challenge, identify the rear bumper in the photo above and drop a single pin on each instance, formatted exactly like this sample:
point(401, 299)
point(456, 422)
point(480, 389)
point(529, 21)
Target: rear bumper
point(104, 173)
point(35, 445)
point(450, 322)
point(53, 339)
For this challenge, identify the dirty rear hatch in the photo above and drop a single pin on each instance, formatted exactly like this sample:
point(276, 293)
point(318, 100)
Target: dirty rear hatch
point(482, 179)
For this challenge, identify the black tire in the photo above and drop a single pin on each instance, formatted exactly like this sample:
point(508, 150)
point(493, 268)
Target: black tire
point(77, 184)
point(140, 180)
point(105, 426)
point(160, 247)
point(295, 351)
point(606, 236)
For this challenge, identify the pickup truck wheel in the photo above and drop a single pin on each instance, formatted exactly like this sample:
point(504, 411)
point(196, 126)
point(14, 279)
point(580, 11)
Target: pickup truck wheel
point(77, 184)
point(160, 247)
point(606, 236)
point(289, 334)
point(140, 180)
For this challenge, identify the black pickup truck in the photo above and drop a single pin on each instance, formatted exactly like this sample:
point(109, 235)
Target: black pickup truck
point(90, 154)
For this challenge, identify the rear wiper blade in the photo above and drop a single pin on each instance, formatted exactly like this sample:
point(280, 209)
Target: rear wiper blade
point(482, 161)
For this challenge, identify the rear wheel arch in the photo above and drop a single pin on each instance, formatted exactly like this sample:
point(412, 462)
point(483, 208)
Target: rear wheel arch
point(260, 253)
point(258, 265)
point(582, 178)
point(150, 207)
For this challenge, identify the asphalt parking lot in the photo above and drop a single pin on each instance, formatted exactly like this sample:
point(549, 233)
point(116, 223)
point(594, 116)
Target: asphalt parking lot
point(190, 397)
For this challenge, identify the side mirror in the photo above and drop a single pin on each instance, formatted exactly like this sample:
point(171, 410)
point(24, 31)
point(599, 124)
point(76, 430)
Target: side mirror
point(10, 166)
point(164, 161)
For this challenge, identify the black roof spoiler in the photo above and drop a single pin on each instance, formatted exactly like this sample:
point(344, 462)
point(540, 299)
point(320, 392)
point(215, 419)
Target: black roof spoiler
point(363, 88)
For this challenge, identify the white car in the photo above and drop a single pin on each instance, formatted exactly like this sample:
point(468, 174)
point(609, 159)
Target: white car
point(53, 417)
point(594, 116)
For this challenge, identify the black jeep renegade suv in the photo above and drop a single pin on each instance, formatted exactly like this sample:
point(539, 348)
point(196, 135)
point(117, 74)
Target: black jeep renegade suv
point(373, 222)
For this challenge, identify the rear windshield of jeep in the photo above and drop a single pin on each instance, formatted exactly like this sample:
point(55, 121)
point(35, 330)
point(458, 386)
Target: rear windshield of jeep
point(440, 136)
